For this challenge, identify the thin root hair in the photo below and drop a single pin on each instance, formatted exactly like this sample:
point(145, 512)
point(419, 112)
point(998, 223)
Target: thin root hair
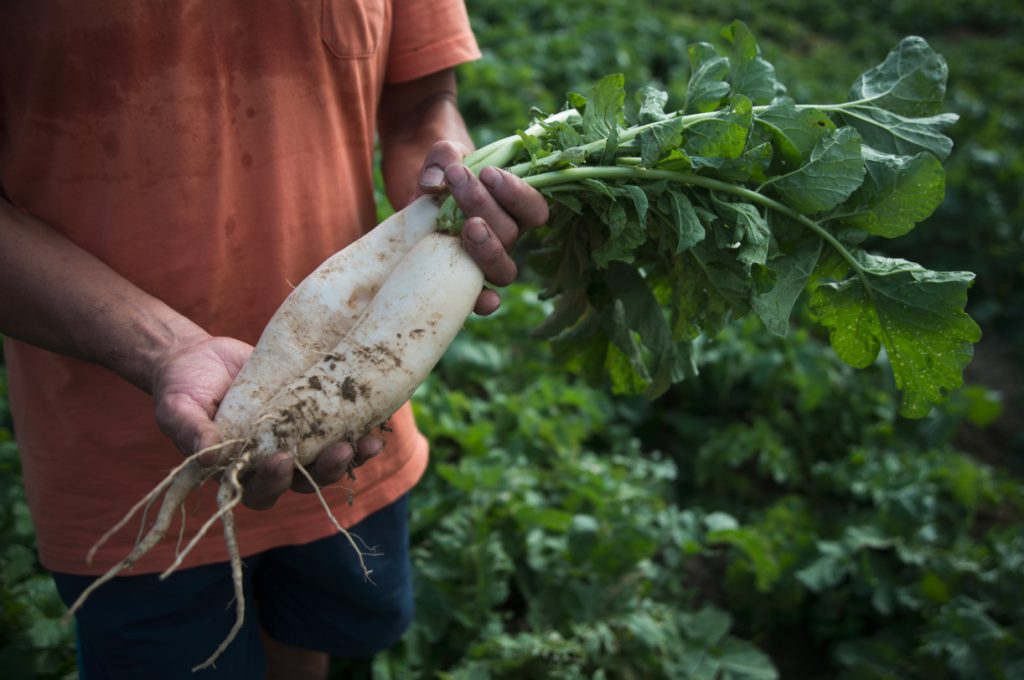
point(223, 508)
point(337, 525)
point(228, 496)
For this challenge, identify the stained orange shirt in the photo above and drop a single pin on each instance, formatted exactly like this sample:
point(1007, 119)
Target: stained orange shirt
point(212, 153)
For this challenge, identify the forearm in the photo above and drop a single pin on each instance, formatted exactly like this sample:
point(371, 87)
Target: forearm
point(61, 298)
point(413, 117)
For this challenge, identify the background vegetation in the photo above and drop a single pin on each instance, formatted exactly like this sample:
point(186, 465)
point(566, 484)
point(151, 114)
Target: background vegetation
point(774, 517)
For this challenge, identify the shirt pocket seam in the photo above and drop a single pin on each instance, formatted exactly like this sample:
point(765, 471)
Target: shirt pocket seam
point(371, 12)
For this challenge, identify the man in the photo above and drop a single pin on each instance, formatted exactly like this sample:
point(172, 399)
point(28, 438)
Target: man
point(168, 169)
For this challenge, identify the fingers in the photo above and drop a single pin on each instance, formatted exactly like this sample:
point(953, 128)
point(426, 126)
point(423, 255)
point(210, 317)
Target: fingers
point(188, 425)
point(487, 250)
point(501, 199)
point(440, 156)
point(368, 447)
point(524, 203)
point(271, 478)
point(335, 461)
point(487, 303)
point(499, 206)
point(275, 475)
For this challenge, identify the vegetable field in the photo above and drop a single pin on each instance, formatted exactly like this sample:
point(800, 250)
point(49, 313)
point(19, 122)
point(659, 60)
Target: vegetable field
point(774, 514)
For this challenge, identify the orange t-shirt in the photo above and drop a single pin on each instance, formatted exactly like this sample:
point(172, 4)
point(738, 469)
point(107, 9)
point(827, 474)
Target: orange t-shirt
point(211, 153)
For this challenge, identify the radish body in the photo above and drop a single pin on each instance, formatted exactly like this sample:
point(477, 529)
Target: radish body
point(320, 310)
point(377, 366)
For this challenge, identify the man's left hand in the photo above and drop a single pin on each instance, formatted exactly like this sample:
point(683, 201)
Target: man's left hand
point(499, 207)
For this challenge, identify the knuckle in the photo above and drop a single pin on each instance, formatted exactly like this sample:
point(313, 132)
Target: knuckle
point(506, 229)
point(471, 195)
point(500, 270)
point(504, 277)
point(445, 152)
point(531, 209)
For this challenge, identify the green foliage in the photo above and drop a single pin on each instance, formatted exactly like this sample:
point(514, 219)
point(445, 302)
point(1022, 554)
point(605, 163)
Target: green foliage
point(706, 205)
point(843, 522)
point(33, 641)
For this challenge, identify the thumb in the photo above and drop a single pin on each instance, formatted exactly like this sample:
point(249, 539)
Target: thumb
point(206, 438)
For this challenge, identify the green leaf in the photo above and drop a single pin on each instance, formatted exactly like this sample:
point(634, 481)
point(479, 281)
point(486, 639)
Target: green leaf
point(569, 308)
point(638, 196)
point(709, 625)
point(676, 160)
point(720, 521)
point(828, 570)
point(911, 81)
point(623, 361)
point(603, 114)
point(897, 193)
point(565, 135)
point(566, 256)
point(715, 139)
point(711, 287)
point(751, 166)
point(685, 227)
point(45, 633)
point(891, 133)
point(916, 314)
point(642, 315)
point(742, 660)
point(708, 72)
point(652, 104)
point(749, 228)
point(658, 140)
point(674, 366)
point(641, 311)
point(779, 284)
point(757, 547)
point(794, 132)
point(750, 75)
point(870, 537)
point(834, 171)
point(897, 105)
point(19, 563)
point(625, 233)
point(723, 137)
point(584, 347)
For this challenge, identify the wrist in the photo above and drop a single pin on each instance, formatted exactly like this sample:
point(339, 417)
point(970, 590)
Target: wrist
point(142, 345)
point(175, 338)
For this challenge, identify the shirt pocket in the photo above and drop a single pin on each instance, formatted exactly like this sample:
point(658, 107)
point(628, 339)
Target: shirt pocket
point(352, 29)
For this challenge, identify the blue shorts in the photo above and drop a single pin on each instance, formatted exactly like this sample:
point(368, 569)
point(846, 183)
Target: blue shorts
point(312, 596)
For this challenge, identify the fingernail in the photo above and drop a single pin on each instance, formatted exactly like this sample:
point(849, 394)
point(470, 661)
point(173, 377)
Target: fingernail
point(477, 232)
point(491, 177)
point(456, 174)
point(432, 176)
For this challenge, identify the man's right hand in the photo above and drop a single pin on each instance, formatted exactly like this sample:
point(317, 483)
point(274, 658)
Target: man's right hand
point(190, 379)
